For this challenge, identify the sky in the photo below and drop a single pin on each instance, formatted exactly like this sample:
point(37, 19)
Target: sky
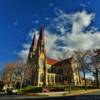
point(68, 26)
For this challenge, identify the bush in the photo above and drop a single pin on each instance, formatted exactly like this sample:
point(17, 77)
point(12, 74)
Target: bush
point(35, 89)
point(31, 89)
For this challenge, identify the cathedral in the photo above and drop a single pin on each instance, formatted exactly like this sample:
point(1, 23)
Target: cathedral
point(48, 71)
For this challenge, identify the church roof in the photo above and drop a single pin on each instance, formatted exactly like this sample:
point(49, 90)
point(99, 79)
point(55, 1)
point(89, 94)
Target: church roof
point(57, 62)
point(63, 62)
point(51, 61)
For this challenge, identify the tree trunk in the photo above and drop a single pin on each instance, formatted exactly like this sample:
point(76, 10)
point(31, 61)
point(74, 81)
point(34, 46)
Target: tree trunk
point(21, 84)
point(84, 75)
point(97, 79)
point(85, 80)
point(70, 81)
point(69, 87)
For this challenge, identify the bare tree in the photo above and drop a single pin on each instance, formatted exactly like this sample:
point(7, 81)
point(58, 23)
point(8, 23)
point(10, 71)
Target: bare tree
point(94, 65)
point(81, 63)
point(15, 72)
point(8, 73)
point(23, 72)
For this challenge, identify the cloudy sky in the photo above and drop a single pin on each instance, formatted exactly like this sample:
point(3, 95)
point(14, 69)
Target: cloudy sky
point(68, 26)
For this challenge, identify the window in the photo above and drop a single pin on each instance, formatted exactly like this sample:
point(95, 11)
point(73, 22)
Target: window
point(52, 78)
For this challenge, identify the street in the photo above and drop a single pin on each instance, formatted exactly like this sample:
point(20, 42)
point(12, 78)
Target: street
point(23, 97)
point(15, 97)
point(88, 96)
point(20, 97)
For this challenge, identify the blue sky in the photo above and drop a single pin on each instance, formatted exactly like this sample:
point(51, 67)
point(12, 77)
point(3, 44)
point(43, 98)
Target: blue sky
point(18, 18)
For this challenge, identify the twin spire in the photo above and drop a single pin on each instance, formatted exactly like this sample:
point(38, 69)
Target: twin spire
point(37, 46)
point(40, 40)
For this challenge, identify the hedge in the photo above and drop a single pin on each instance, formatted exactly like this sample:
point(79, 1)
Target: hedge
point(31, 89)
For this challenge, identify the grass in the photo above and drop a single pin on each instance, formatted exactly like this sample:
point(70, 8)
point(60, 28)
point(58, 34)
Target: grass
point(35, 89)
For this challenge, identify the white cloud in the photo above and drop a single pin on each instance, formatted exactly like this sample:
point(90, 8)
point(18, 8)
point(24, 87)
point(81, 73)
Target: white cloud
point(23, 54)
point(80, 21)
point(76, 38)
point(26, 45)
point(73, 34)
point(83, 41)
point(77, 21)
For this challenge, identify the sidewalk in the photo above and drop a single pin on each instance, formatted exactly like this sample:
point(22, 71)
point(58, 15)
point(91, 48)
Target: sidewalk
point(64, 93)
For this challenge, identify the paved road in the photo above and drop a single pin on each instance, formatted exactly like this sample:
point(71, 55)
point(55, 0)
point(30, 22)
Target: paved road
point(23, 97)
point(88, 96)
point(84, 97)
point(15, 97)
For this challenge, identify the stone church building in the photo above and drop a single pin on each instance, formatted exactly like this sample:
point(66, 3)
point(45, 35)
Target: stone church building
point(48, 71)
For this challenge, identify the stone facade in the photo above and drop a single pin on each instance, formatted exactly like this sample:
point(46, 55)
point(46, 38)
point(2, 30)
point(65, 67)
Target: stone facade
point(47, 71)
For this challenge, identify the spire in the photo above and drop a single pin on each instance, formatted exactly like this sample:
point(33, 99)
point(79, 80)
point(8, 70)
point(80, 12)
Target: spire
point(41, 39)
point(42, 34)
point(32, 48)
point(34, 42)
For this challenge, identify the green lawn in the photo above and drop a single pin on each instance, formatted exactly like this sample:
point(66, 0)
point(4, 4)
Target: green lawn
point(35, 89)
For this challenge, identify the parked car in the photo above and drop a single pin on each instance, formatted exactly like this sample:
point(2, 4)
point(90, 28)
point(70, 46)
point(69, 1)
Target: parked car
point(15, 91)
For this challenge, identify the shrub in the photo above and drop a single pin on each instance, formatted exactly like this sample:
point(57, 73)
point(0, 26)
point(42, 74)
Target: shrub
point(31, 89)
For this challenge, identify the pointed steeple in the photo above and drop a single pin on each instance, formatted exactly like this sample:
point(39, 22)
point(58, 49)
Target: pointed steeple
point(41, 37)
point(34, 42)
point(41, 40)
point(32, 48)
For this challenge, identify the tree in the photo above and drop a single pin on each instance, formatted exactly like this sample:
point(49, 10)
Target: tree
point(94, 65)
point(81, 63)
point(23, 72)
point(8, 73)
point(16, 72)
